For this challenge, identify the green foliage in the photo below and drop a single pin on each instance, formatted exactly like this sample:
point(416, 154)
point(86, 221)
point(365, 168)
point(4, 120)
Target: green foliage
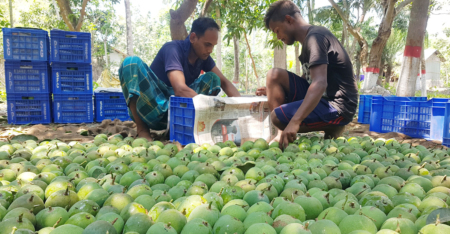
point(4, 22)
point(243, 16)
point(435, 94)
point(94, 85)
point(3, 95)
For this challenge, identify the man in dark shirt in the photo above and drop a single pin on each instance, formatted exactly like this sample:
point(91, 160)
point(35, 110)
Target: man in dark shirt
point(326, 96)
point(175, 71)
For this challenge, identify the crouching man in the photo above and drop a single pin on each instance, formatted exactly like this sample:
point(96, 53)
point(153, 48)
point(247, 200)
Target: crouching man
point(326, 96)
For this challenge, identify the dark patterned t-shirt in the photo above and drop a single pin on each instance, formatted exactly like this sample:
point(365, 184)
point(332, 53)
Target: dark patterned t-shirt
point(322, 47)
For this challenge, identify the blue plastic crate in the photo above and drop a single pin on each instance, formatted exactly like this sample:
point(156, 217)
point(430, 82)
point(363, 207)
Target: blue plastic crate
point(182, 117)
point(365, 105)
point(110, 106)
point(70, 47)
point(25, 44)
point(438, 118)
point(419, 119)
point(446, 128)
point(420, 99)
point(27, 77)
point(25, 108)
point(69, 108)
point(70, 78)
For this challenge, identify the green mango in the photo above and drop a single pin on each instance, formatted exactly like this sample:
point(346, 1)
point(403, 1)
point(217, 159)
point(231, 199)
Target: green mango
point(100, 226)
point(68, 228)
point(48, 217)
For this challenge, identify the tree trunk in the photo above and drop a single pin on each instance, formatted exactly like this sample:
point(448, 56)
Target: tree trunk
point(344, 39)
point(129, 28)
point(358, 66)
point(387, 79)
point(380, 75)
point(423, 73)
point(246, 75)
point(297, 60)
point(178, 17)
point(67, 14)
point(236, 60)
point(384, 32)
point(205, 8)
point(219, 42)
point(352, 50)
point(414, 42)
point(11, 18)
point(251, 57)
point(279, 57)
point(310, 14)
point(355, 33)
point(106, 52)
point(56, 9)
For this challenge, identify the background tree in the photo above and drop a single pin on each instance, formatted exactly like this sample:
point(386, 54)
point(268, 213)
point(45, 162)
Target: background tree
point(129, 29)
point(241, 18)
point(414, 42)
point(73, 20)
point(179, 16)
point(394, 45)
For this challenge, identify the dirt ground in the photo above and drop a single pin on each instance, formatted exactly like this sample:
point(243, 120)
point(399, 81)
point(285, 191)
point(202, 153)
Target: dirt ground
point(72, 132)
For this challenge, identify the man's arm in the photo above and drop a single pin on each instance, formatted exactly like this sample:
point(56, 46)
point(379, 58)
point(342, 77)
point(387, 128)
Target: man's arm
point(313, 95)
point(178, 82)
point(226, 85)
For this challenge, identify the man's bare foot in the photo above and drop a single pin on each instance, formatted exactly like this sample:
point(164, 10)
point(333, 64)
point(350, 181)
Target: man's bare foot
point(334, 132)
point(277, 137)
point(146, 135)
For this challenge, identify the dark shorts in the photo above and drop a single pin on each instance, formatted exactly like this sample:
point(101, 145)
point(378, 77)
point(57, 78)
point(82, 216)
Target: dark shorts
point(324, 114)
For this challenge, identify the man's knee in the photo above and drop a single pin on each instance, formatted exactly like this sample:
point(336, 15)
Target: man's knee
point(276, 75)
point(130, 60)
point(213, 76)
point(276, 121)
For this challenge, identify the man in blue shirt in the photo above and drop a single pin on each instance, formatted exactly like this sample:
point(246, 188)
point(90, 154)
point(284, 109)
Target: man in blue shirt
point(174, 71)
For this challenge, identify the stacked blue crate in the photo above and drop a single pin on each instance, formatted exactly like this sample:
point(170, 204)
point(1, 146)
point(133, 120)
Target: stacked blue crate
point(446, 129)
point(26, 53)
point(110, 105)
point(415, 117)
point(71, 77)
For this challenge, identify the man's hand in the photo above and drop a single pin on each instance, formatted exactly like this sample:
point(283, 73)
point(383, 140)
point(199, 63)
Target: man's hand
point(179, 86)
point(261, 91)
point(226, 85)
point(289, 134)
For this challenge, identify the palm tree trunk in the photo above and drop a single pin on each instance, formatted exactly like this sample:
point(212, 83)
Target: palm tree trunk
point(297, 60)
point(11, 18)
point(246, 75)
point(344, 39)
point(279, 57)
point(106, 52)
point(236, 60)
point(219, 42)
point(129, 29)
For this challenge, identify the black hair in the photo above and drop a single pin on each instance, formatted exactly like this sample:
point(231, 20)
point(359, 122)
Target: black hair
point(200, 25)
point(278, 10)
